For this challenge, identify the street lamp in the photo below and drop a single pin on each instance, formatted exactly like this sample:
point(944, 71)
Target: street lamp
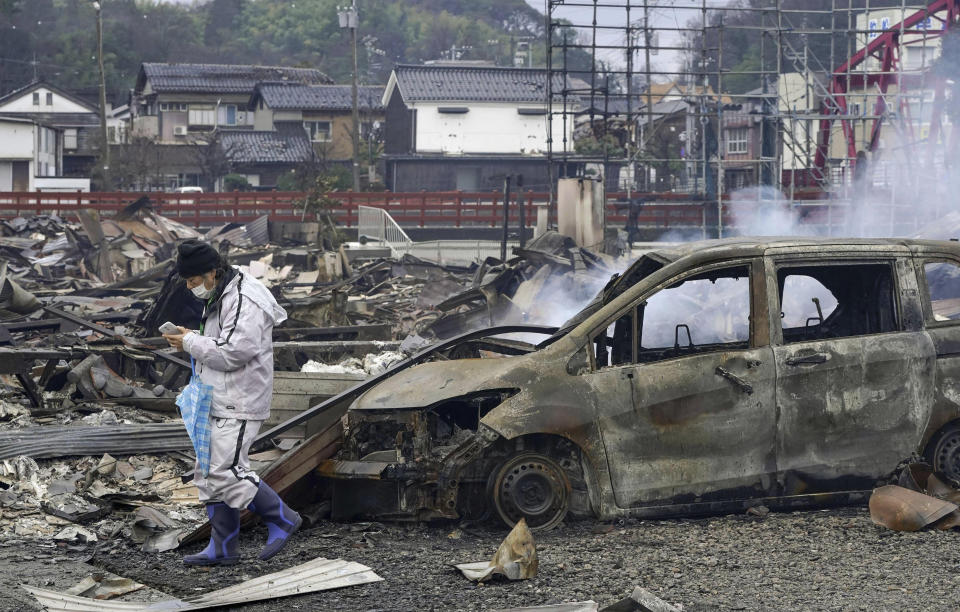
point(348, 20)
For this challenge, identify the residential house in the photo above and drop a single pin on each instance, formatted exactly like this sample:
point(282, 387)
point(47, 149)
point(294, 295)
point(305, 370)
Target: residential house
point(77, 119)
point(451, 126)
point(29, 152)
point(662, 133)
point(262, 156)
point(799, 100)
point(741, 147)
point(605, 128)
point(186, 113)
point(173, 101)
point(325, 113)
point(683, 150)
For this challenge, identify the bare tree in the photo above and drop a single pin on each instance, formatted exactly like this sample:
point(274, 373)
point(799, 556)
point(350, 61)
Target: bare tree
point(213, 158)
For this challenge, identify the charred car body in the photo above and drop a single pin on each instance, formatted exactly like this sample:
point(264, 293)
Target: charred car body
point(705, 378)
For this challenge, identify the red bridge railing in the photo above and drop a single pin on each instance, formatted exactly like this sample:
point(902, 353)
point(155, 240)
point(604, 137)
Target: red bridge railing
point(414, 209)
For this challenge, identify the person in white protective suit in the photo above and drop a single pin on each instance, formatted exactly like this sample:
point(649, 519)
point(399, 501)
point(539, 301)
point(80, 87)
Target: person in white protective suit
point(233, 352)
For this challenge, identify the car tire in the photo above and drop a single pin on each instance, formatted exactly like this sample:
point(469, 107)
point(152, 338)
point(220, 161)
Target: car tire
point(531, 486)
point(943, 453)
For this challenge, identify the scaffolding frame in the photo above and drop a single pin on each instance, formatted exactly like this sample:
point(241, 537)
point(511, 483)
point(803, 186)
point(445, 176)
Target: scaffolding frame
point(804, 150)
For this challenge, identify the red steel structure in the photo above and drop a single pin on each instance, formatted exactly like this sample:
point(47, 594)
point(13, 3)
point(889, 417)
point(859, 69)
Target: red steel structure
point(886, 48)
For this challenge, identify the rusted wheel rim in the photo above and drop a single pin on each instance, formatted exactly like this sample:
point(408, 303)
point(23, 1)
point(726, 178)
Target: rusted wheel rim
point(534, 487)
point(947, 455)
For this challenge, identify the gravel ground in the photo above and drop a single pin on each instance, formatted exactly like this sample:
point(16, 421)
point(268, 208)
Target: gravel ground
point(819, 560)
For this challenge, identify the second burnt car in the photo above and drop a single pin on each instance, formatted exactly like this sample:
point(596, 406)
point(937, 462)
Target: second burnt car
point(706, 378)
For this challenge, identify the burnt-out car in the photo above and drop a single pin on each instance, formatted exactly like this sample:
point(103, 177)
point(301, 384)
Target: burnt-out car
point(706, 378)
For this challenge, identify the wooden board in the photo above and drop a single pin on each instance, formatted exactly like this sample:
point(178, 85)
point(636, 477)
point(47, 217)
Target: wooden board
point(294, 392)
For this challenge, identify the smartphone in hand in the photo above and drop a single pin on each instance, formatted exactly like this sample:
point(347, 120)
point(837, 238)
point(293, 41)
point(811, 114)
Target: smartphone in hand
point(169, 328)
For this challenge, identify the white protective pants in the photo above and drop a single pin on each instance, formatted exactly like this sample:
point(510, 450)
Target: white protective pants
point(230, 480)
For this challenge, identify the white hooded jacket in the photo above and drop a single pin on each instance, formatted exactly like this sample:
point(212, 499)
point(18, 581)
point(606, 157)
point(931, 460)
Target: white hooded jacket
point(235, 352)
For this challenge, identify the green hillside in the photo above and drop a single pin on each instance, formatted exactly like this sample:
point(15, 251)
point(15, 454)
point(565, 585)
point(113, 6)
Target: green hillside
point(55, 39)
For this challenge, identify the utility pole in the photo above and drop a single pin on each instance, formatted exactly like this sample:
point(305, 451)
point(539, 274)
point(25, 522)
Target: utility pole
point(348, 19)
point(506, 218)
point(103, 95)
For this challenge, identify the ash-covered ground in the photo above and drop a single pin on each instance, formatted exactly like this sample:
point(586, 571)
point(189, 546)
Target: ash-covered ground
point(818, 560)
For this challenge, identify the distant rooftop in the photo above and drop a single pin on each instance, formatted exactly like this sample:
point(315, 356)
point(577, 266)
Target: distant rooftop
point(296, 96)
point(458, 83)
point(287, 144)
point(221, 78)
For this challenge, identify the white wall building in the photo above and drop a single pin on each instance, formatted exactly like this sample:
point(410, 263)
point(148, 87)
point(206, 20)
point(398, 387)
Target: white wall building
point(28, 150)
point(459, 126)
point(78, 120)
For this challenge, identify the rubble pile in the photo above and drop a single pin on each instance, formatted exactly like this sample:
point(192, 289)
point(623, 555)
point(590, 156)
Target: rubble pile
point(545, 283)
point(92, 450)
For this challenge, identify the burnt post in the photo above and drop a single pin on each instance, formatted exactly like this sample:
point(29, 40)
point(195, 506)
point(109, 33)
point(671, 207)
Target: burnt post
point(506, 217)
point(520, 211)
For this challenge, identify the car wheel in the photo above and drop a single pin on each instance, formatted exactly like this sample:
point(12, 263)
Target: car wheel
point(531, 486)
point(944, 453)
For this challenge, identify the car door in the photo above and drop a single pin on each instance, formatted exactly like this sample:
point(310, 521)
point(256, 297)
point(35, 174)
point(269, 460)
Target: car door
point(854, 382)
point(686, 390)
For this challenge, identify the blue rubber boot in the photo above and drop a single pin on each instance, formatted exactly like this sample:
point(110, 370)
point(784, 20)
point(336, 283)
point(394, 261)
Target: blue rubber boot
point(224, 532)
point(281, 521)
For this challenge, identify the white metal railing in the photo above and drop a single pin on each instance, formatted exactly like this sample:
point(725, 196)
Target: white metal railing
point(456, 252)
point(377, 225)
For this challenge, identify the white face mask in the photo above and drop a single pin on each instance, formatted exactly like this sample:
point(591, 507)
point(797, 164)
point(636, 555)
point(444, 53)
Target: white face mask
point(202, 292)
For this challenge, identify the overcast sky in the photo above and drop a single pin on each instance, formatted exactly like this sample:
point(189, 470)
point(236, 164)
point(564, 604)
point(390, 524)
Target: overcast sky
point(663, 14)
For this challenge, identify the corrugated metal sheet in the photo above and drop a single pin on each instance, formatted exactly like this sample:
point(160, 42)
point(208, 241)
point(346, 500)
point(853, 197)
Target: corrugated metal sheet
point(317, 575)
point(258, 230)
point(63, 441)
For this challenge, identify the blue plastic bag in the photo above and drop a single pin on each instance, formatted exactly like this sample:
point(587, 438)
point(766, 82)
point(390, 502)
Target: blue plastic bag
point(194, 402)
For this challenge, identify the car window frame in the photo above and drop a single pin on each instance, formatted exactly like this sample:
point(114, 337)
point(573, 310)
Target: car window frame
point(778, 262)
point(755, 276)
point(927, 305)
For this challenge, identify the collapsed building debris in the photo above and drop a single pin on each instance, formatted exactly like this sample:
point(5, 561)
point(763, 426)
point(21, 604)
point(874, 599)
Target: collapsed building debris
point(640, 600)
point(316, 575)
point(920, 499)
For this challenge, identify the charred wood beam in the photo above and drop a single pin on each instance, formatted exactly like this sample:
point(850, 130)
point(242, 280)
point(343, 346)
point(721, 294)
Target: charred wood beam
point(112, 334)
point(54, 325)
point(33, 392)
point(355, 332)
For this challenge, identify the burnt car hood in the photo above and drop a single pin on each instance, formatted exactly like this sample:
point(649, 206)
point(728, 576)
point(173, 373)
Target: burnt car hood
point(428, 383)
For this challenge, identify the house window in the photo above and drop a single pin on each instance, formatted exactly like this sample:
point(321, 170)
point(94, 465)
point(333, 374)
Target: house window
point(737, 140)
point(228, 114)
point(201, 114)
point(70, 138)
point(173, 107)
point(36, 98)
point(319, 130)
point(49, 99)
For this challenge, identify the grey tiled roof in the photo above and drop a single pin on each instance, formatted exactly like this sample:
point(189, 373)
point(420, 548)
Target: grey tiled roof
point(444, 83)
point(288, 144)
point(222, 78)
point(285, 96)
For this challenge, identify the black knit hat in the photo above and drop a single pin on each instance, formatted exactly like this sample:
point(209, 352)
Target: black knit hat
point(195, 257)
